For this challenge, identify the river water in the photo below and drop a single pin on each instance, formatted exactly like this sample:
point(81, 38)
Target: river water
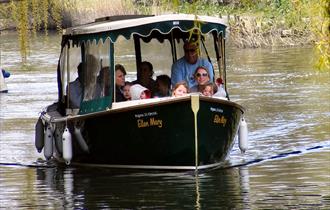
point(287, 165)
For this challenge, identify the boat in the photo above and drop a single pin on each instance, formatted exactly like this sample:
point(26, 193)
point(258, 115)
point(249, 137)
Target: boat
point(191, 132)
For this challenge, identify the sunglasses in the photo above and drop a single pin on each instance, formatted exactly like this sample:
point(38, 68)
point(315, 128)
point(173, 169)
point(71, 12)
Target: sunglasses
point(189, 50)
point(203, 74)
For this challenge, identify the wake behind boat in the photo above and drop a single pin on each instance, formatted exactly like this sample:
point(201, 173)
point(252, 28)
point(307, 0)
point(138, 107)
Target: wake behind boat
point(188, 132)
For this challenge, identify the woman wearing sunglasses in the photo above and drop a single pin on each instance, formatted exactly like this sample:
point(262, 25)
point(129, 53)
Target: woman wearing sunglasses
point(202, 77)
point(183, 69)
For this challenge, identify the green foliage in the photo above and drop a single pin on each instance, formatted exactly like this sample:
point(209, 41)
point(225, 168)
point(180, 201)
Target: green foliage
point(56, 11)
point(197, 7)
point(4, 14)
point(320, 23)
point(31, 15)
point(19, 13)
point(44, 14)
point(37, 19)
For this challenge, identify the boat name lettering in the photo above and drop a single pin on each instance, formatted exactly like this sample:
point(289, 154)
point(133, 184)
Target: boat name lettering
point(147, 114)
point(156, 122)
point(216, 110)
point(148, 123)
point(220, 120)
point(142, 124)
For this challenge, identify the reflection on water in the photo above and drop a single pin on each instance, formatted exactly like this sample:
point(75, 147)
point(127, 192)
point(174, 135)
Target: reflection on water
point(87, 188)
point(288, 112)
point(279, 184)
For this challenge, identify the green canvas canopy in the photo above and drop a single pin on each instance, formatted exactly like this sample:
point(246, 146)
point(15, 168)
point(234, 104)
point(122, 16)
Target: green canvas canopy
point(143, 26)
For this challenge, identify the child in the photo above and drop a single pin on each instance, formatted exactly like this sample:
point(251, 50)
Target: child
point(208, 89)
point(163, 86)
point(180, 89)
point(139, 92)
point(126, 91)
point(221, 91)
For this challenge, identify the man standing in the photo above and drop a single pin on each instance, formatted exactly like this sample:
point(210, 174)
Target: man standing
point(184, 68)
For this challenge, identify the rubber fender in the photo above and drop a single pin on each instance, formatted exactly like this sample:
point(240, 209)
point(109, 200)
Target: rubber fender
point(48, 147)
point(243, 136)
point(67, 146)
point(39, 140)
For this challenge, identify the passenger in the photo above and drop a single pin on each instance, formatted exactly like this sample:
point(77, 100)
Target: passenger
point(180, 89)
point(201, 76)
point(126, 91)
point(74, 89)
point(221, 91)
point(139, 92)
point(184, 68)
point(103, 83)
point(163, 86)
point(5, 73)
point(145, 77)
point(208, 89)
point(120, 73)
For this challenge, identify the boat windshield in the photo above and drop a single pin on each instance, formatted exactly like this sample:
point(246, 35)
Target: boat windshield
point(93, 82)
point(97, 71)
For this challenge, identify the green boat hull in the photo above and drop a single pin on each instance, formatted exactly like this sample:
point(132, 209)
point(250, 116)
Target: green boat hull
point(161, 135)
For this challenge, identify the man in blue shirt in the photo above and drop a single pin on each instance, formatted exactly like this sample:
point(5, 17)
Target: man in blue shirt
point(184, 68)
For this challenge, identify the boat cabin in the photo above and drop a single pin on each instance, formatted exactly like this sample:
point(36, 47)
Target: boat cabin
point(128, 40)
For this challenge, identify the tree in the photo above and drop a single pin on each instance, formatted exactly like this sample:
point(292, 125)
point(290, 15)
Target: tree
point(31, 15)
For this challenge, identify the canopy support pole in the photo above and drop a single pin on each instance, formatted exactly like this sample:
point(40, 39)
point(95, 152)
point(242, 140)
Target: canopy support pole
point(137, 46)
point(195, 108)
point(68, 74)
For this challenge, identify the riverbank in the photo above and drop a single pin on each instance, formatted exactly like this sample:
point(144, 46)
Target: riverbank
point(246, 30)
point(250, 32)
